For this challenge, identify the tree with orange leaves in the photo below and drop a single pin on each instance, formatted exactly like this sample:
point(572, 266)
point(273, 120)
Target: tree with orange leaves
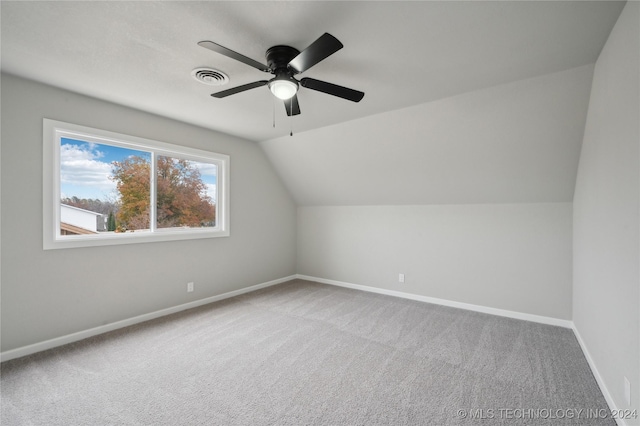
point(181, 198)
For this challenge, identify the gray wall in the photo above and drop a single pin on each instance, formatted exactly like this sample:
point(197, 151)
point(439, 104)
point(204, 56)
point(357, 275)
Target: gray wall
point(508, 256)
point(606, 214)
point(48, 294)
point(469, 196)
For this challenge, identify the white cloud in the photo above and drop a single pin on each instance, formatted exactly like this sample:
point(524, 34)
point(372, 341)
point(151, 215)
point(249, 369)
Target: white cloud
point(206, 169)
point(212, 191)
point(79, 167)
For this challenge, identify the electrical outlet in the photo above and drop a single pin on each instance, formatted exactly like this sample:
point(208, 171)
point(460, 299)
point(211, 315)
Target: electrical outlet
point(189, 287)
point(401, 278)
point(627, 391)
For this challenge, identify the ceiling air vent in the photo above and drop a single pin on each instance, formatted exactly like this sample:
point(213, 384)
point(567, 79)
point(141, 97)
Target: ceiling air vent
point(210, 76)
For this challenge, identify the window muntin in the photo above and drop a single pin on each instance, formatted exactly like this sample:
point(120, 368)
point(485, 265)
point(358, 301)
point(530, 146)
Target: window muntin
point(139, 190)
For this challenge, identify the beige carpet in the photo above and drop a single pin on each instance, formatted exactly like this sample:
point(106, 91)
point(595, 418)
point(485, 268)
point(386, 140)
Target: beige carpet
point(303, 353)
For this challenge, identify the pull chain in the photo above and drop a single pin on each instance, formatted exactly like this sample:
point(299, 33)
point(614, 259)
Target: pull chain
point(291, 118)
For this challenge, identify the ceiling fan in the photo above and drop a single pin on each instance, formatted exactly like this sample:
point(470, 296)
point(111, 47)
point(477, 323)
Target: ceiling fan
point(284, 62)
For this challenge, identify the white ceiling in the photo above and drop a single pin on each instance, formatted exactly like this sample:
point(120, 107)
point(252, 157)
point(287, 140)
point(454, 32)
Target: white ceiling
point(466, 102)
point(399, 53)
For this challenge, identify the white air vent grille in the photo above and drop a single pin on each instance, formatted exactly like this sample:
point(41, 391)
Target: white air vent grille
point(210, 76)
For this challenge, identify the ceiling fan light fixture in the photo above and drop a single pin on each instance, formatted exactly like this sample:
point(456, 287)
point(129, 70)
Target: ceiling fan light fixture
point(283, 88)
point(285, 62)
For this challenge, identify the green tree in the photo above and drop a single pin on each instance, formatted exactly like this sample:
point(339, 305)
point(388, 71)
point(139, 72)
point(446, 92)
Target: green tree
point(111, 222)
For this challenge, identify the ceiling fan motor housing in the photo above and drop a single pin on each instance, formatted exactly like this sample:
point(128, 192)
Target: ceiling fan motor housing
point(283, 86)
point(278, 58)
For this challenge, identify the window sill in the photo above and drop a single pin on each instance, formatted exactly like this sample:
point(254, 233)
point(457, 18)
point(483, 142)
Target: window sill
point(137, 237)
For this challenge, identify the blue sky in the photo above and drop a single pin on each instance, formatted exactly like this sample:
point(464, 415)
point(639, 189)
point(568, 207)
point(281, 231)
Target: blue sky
point(85, 169)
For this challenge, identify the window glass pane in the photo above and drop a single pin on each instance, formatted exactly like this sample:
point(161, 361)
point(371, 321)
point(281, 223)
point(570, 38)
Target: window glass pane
point(186, 193)
point(103, 188)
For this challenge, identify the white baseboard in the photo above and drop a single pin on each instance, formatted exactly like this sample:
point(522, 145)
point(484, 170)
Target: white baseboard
point(596, 374)
point(444, 302)
point(74, 337)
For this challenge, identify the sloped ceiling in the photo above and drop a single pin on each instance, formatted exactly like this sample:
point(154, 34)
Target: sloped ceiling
point(513, 143)
point(465, 101)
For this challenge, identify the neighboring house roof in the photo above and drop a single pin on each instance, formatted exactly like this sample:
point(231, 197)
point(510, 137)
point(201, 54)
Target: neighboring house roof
point(75, 229)
point(79, 218)
point(79, 209)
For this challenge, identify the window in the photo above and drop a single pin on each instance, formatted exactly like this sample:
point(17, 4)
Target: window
point(104, 188)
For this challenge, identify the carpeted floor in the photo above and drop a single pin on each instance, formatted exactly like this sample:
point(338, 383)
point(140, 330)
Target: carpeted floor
point(303, 353)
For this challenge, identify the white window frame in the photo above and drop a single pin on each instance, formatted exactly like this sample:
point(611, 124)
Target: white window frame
point(53, 131)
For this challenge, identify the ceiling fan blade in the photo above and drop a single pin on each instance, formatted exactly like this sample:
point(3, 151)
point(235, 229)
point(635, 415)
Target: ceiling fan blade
point(332, 89)
point(233, 55)
point(239, 89)
point(320, 49)
point(292, 106)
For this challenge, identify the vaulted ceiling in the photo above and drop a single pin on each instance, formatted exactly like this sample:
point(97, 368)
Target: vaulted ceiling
point(465, 101)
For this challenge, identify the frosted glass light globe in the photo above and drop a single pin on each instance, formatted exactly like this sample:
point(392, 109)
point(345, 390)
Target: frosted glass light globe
point(283, 89)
